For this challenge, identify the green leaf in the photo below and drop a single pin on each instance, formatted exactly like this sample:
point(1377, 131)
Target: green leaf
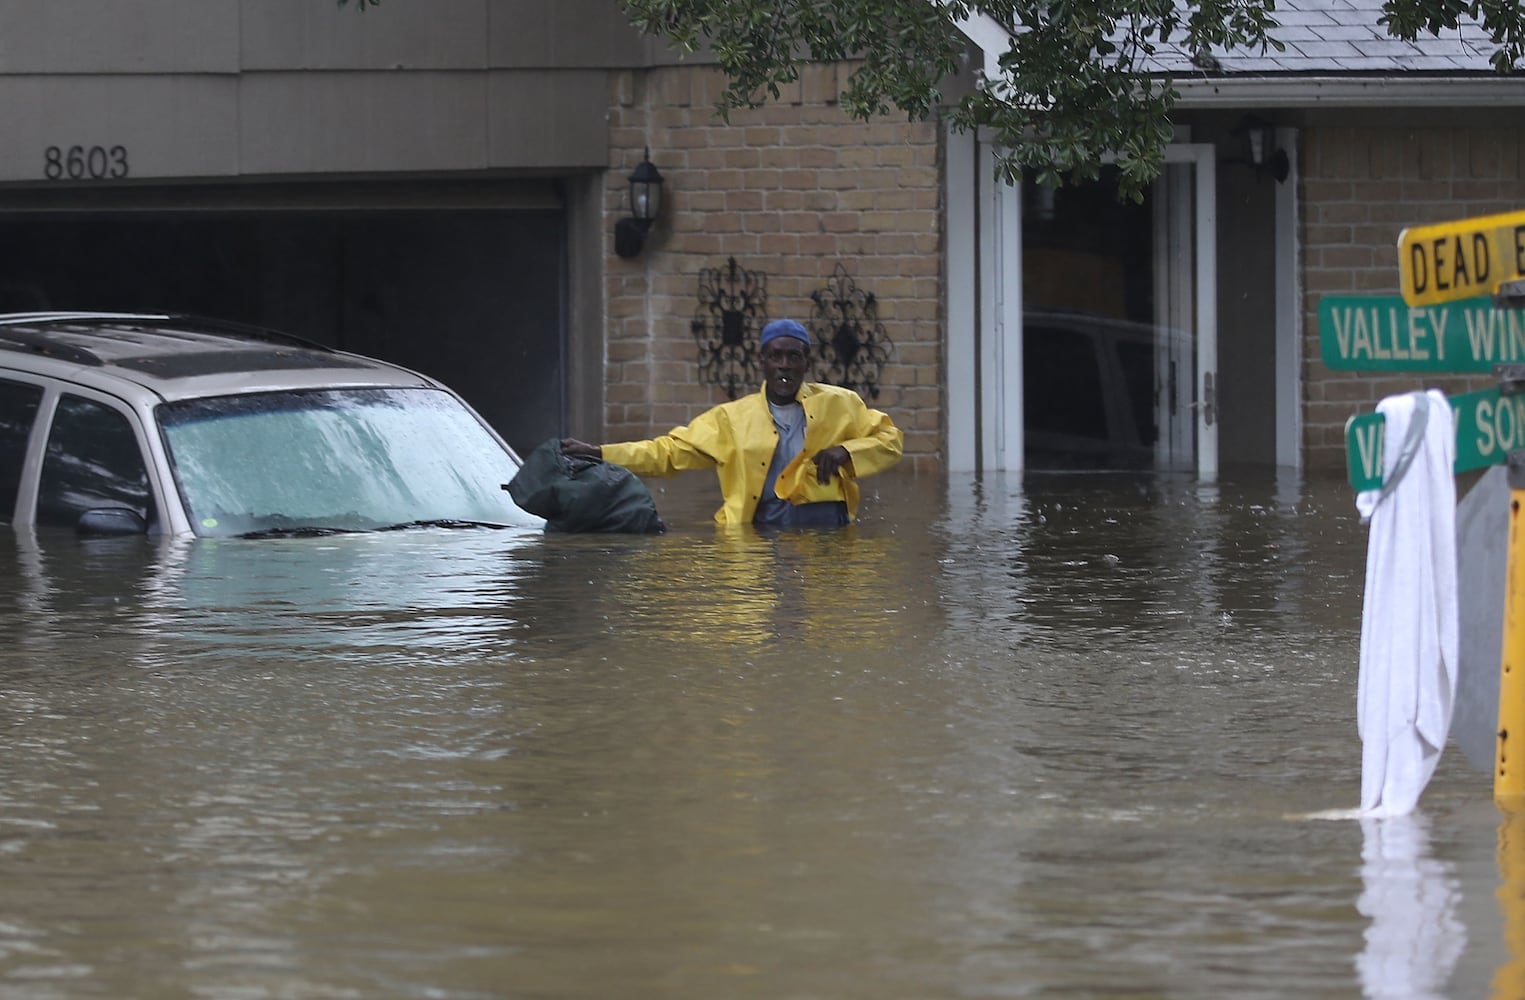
point(1075, 94)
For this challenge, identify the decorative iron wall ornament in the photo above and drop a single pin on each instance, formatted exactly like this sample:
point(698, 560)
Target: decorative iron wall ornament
point(851, 345)
point(733, 307)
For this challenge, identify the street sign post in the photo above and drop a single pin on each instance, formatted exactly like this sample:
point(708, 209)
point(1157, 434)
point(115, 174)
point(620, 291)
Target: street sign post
point(1489, 425)
point(1440, 264)
point(1460, 259)
point(1384, 333)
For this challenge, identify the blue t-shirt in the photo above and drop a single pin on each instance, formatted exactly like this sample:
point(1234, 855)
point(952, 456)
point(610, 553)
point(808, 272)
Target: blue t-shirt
point(789, 421)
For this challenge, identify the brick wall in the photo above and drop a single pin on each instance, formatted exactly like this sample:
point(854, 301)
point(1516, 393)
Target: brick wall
point(1361, 188)
point(793, 191)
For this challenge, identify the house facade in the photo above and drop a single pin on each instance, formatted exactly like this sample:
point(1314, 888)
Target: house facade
point(440, 185)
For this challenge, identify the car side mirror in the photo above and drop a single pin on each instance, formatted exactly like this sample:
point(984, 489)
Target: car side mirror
point(111, 521)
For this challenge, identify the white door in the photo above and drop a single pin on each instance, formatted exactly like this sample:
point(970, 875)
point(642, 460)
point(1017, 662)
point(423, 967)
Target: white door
point(1186, 311)
point(986, 427)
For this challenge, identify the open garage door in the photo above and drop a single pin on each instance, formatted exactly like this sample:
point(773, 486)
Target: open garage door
point(473, 295)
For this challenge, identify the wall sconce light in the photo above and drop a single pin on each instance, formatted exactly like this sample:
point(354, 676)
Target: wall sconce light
point(1042, 202)
point(645, 203)
point(1260, 149)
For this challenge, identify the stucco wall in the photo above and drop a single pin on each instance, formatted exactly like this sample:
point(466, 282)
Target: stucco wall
point(792, 191)
point(99, 94)
point(1361, 188)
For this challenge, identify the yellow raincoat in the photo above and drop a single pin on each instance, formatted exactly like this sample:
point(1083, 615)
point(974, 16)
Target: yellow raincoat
point(737, 439)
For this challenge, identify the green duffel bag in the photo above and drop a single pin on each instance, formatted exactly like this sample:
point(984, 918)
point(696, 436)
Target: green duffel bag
point(576, 494)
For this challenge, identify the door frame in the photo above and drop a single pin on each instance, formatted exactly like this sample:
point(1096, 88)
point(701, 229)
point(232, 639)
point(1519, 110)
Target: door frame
point(983, 261)
point(983, 257)
point(1186, 299)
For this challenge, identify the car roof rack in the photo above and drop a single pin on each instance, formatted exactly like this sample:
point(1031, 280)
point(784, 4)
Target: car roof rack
point(249, 331)
point(27, 331)
point(40, 343)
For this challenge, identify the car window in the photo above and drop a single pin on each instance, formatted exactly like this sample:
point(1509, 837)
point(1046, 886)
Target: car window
point(92, 460)
point(1064, 393)
point(348, 459)
point(18, 412)
point(1137, 361)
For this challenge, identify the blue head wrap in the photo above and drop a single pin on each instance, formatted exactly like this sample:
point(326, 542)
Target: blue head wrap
point(783, 328)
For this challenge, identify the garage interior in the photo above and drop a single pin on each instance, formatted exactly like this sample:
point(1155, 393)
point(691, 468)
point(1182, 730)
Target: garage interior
point(472, 294)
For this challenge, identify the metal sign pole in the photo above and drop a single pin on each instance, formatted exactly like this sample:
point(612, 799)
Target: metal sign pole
point(1509, 770)
point(1509, 776)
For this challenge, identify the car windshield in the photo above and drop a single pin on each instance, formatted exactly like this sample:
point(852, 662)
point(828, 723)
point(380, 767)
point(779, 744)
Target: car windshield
point(336, 459)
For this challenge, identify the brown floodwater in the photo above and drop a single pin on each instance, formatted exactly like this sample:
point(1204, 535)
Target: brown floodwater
point(1002, 738)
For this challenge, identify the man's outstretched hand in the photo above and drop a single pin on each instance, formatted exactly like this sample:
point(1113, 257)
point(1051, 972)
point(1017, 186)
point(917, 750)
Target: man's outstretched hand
point(829, 461)
point(572, 446)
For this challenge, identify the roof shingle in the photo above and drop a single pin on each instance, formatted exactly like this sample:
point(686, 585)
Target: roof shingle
point(1325, 37)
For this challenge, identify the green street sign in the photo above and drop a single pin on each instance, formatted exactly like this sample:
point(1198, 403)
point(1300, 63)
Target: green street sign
point(1489, 425)
point(1381, 333)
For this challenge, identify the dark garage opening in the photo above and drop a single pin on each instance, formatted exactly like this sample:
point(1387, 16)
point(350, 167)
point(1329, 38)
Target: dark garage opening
point(474, 297)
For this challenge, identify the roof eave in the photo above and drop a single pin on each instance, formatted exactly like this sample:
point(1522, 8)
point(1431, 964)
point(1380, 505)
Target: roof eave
point(1350, 91)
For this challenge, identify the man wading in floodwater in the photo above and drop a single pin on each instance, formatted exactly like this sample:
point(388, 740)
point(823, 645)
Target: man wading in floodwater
point(788, 456)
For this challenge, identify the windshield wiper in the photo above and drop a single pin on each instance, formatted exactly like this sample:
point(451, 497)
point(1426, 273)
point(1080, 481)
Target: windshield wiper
point(318, 531)
point(305, 531)
point(442, 522)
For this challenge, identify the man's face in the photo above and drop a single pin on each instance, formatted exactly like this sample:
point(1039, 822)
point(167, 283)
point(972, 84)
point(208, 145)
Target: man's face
point(784, 362)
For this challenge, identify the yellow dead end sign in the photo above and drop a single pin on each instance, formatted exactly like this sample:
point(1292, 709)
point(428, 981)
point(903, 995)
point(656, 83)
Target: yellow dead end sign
point(1460, 259)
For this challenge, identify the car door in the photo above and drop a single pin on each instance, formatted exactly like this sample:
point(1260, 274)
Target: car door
point(19, 403)
point(92, 458)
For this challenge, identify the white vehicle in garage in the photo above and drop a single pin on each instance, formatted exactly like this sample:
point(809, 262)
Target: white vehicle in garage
point(115, 423)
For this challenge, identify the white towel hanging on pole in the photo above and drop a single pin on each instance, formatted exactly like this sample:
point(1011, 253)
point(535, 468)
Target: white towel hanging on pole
point(1407, 683)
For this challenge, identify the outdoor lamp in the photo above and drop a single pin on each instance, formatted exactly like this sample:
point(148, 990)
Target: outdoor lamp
point(1260, 149)
point(645, 203)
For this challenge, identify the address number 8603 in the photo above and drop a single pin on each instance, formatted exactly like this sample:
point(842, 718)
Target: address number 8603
point(84, 163)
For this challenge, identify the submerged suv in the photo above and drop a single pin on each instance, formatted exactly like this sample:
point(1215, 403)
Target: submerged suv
point(124, 423)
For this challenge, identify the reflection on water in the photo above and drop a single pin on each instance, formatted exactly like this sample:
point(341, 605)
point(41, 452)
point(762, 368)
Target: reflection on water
point(1411, 899)
point(998, 739)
